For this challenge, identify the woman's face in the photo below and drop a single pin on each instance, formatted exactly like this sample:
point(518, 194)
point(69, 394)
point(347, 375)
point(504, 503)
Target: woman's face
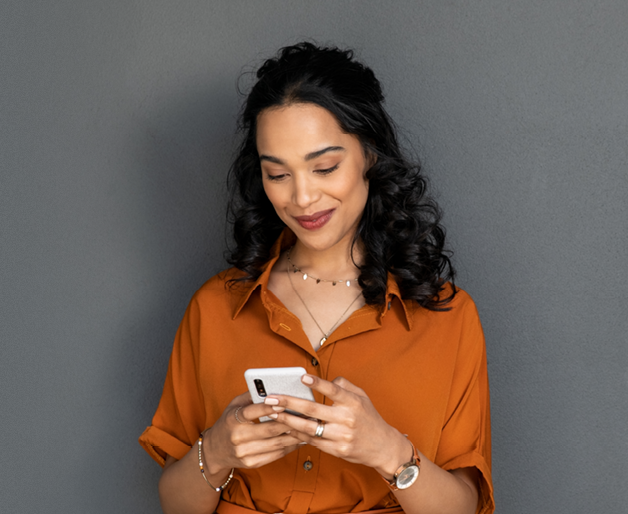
point(313, 173)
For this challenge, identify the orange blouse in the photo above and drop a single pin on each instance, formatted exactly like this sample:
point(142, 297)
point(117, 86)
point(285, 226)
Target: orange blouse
point(424, 371)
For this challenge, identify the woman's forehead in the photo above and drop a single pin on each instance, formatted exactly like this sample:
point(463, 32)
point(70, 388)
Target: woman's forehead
point(300, 130)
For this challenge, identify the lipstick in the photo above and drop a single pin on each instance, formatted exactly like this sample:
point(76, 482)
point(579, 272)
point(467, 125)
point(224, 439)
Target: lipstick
point(316, 220)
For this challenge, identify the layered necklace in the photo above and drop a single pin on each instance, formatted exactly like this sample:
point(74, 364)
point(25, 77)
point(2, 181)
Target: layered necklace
point(295, 269)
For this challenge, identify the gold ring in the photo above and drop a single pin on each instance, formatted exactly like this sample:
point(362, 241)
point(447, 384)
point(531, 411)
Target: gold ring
point(320, 428)
point(236, 415)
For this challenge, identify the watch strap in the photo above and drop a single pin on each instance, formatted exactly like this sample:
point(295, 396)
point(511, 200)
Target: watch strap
point(416, 461)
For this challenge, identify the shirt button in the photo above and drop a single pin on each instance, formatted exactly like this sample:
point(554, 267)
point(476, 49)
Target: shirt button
point(307, 465)
point(314, 361)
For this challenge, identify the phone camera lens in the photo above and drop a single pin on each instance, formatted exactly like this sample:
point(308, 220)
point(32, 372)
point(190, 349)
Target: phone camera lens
point(259, 385)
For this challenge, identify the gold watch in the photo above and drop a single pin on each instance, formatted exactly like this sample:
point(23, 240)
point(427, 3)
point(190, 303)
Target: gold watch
point(406, 474)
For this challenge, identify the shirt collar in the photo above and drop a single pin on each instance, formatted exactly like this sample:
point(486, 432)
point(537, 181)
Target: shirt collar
point(287, 239)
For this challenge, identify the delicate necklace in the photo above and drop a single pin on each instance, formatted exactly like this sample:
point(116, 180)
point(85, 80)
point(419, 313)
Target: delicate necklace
point(296, 269)
point(325, 334)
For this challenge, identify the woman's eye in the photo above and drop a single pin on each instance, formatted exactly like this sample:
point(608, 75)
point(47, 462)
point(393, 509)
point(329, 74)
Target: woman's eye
point(275, 178)
point(327, 170)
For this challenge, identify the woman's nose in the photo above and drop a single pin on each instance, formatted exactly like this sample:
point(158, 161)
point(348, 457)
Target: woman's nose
point(304, 193)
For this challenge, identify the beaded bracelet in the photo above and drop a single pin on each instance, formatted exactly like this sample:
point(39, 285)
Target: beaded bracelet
point(200, 465)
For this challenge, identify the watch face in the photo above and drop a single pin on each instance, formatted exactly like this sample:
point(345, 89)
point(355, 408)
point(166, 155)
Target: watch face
point(407, 477)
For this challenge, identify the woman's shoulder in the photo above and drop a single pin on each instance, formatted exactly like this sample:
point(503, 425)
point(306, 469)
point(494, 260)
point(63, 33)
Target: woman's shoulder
point(462, 299)
point(454, 298)
point(457, 303)
point(222, 286)
point(463, 313)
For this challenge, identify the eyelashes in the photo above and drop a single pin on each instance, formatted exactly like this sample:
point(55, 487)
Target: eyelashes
point(326, 171)
point(274, 178)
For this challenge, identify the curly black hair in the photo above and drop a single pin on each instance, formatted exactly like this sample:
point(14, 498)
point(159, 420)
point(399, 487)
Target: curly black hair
point(400, 228)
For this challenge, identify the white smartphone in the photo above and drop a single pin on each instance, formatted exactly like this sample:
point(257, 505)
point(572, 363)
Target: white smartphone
point(267, 381)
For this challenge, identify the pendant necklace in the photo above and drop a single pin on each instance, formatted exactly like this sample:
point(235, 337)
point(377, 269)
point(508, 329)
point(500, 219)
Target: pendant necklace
point(328, 333)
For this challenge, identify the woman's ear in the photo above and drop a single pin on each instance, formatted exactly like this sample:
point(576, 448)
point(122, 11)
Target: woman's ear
point(369, 154)
point(370, 157)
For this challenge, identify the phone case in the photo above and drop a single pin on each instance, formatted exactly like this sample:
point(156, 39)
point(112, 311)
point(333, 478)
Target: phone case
point(286, 381)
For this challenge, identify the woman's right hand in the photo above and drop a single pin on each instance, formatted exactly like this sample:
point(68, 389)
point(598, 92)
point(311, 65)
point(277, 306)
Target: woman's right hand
point(229, 444)
point(241, 443)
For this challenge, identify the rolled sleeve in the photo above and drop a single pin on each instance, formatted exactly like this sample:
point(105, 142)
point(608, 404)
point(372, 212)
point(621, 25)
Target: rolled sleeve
point(180, 415)
point(466, 436)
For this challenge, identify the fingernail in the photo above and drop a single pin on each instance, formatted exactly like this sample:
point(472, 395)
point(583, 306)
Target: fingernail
point(302, 443)
point(279, 409)
point(271, 401)
point(307, 379)
point(274, 416)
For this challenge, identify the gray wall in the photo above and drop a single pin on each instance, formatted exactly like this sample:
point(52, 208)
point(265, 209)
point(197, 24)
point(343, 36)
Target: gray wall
point(116, 127)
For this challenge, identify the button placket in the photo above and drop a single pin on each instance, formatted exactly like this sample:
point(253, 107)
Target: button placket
point(283, 323)
point(304, 480)
point(309, 457)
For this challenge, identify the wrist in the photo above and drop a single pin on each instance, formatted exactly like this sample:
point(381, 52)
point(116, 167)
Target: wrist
point(399, 452)
point(214, 468)
point(205, 467)
point(219, 478)
point(407, 473)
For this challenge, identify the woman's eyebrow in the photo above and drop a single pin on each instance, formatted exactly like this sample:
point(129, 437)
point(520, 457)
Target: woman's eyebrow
point(318, 153)
point(308, 157)
point(270, 158)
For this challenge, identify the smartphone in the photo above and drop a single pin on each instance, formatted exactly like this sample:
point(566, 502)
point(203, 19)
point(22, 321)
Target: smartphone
point(267, 381)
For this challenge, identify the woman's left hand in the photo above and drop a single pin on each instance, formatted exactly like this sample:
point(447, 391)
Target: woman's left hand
point(353, 429)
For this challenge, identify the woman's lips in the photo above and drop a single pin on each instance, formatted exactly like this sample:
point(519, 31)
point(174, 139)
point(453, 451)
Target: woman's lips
point(316, 220)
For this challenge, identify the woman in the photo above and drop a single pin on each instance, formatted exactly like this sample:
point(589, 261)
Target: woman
point(338, 267)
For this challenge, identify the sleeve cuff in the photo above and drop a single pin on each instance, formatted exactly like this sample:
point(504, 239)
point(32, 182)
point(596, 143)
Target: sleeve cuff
point(158, 444)
point(486, 505)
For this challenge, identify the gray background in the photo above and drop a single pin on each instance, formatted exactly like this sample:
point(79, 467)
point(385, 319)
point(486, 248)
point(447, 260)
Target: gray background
point(116, 128)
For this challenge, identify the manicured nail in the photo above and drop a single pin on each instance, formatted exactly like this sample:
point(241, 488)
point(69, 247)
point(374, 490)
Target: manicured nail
point(274, 416)
point(307, 379)
point(279, 409)
point(271, 401)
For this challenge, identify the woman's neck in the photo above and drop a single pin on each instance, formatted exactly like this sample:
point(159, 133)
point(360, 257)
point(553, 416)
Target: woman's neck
point(331, 264)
